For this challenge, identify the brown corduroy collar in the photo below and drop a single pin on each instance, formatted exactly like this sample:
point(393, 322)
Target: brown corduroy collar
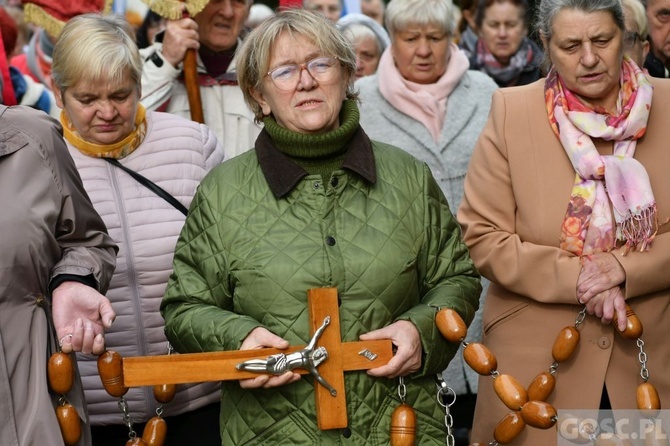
point(282, 174)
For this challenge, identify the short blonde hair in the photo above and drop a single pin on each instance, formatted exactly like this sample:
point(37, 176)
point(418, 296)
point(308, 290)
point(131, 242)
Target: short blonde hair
point(95, 47)
point(402, 13)
point(253, 59)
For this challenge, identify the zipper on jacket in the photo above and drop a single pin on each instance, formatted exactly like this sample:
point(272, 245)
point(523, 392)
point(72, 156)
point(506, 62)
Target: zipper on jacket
point(132, 280)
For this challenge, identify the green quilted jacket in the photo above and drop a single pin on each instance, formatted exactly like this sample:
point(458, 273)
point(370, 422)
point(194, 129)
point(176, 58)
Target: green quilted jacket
point(261, 232)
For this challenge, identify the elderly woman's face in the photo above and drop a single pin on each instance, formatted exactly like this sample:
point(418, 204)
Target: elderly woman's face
point(100, 112)
point(586, 51)
point(503, 30)
point(367, 56)
point(310, 100)
point(421, 53)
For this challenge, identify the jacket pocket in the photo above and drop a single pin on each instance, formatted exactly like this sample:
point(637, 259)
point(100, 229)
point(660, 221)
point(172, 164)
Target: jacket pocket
point(504, 317)
point(429, 431)
point(295, 429)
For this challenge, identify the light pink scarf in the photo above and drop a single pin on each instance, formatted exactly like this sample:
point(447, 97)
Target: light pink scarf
point(617, 179)
point(427, 103)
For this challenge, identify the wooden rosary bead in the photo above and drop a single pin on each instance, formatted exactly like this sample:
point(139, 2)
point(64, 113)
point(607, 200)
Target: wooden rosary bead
point(137, 441)
point(155, 431)
point(565, 344)
point(403, 426)
point(633, 328)
point(510, 391)
point(648, 401)
point(479, 358)
point(541, 387)
point(60, 372)
point(451, 325)
point(538, 414)
point(164, 392)
point(70, 425)
point(509, 428)
point(110, 369)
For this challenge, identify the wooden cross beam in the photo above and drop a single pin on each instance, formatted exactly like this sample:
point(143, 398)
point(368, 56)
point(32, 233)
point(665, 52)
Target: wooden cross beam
point(221, 366)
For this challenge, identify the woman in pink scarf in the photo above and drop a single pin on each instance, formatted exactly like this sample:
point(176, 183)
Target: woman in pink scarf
point(566, 200)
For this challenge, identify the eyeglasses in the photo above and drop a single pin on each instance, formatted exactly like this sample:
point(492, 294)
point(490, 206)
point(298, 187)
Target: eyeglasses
point(630, 38)
point(322, 69)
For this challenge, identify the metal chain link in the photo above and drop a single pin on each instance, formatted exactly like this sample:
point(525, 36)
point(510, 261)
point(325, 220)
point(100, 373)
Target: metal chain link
point(123, 406)
point(580, 317)
point(642, 357)
point(443, 391)
point(402, 389)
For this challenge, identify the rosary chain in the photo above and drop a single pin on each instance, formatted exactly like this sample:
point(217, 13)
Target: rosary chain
point(642, 357)
point(123, 406)
point(443, 392)
point(402, 389)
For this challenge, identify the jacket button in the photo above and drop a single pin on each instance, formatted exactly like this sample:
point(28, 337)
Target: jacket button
point(604, 342)
point(334, 182)
point(346, 432)
point(330, 240)
point(316, 185)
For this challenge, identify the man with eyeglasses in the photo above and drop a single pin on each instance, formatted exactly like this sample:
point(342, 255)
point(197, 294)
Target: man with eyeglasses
point(658, 59)
point(635, 41)
point(215, 34)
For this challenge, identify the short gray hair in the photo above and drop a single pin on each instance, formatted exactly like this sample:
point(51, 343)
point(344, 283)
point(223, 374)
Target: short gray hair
point(98, 48)
point(253, 59)
point(639, 16)
point(548, 9)
point(402, 13)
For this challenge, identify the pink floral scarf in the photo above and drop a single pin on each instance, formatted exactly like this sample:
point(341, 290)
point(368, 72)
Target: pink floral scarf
point(615, 181)
point(427, 103)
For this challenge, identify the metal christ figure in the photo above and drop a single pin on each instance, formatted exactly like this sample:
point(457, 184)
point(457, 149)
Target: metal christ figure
point(308, 358)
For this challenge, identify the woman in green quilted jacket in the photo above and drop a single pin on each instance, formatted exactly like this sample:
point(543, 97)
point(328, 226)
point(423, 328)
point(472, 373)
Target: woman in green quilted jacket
point(318, 204)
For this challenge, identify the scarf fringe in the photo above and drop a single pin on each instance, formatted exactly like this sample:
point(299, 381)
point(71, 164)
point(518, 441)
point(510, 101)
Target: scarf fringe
point(638, 229)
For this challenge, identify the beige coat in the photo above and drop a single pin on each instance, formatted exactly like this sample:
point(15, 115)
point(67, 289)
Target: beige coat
point(49, 227)
point(516, 195)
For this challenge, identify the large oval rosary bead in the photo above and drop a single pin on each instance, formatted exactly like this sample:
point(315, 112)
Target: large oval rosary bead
point(509, 428)
point(648, 401)
point(164, 392)
point(155, 431)
point(70, 425)
point(510, 391)
point(541, 387)
point(633, 328)
point(60, 371)
point(538, 414)
point(137, 441)
point(451, 325)
point(403, 426)
point(110, 369)
point(565, 344)
point(480, 358)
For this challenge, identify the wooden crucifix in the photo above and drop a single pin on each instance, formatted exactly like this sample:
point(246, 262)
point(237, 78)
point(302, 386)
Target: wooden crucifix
point(223, 366)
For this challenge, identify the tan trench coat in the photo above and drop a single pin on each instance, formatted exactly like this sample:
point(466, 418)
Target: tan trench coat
point(516, 195)
point(48, 227)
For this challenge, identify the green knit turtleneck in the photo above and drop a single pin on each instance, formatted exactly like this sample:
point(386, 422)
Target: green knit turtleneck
point(317, 154)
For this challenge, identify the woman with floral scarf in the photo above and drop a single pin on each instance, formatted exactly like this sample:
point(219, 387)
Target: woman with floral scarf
point(566, 202)
point(503, 50)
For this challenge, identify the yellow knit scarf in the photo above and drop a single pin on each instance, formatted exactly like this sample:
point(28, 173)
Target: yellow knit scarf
point(117, 150)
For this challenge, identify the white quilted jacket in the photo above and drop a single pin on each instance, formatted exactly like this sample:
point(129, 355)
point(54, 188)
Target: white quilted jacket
point(176, 154)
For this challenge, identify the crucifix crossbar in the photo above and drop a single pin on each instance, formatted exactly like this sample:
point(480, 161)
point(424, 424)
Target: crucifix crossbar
point(222, 366)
